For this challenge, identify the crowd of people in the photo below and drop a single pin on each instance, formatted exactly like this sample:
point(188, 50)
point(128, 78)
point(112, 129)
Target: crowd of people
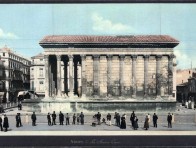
point(120, 121)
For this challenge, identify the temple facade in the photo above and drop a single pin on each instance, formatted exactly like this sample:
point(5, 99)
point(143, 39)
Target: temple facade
point(109, 66)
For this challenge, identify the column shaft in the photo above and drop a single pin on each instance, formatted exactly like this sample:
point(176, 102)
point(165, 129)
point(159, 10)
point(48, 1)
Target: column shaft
point(96, 74)
point(71, 86)
point(170, 74)
point(158, 75)
point(46, 58)
point(146, 58)
point(58, 75)
point(134, 79)
point(83, 75)
point(121, 74)
point(109, 71)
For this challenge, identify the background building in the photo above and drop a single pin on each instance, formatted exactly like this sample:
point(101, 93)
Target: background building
point(16, 75)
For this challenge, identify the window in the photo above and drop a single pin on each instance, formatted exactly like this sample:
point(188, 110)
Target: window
point(41, 59)
point(3, 53)
point(41, 82)
point(41, 72)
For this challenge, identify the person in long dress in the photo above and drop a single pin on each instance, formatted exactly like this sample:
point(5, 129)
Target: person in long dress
point(123, 122)
point(135, 124)
point(146, 123)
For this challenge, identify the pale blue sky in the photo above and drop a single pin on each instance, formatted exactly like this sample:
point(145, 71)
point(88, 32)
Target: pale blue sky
point(22, 26)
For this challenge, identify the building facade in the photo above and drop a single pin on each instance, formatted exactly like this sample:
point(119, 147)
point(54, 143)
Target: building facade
point(110, 66)
point(16, 73)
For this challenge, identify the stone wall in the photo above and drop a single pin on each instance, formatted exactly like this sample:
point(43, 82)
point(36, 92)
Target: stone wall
point(89, 75)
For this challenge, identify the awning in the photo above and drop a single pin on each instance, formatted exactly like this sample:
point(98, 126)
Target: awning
point(21, 93)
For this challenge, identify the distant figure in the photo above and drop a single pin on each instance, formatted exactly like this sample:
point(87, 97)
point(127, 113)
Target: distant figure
point(109, 117)
point(118, 119)
point(49, 119)
point(17, 120)
point(172, 118)
point(74, 119)
point(132, 118)
point(61, 118)
point(115, 114)
point(146, 123)
point(78, 118)
point(135, 124)
point(99, 118)
point(123, 122)
point(5, 123)
point(149, 118)
point(19, 106)
point(67, 119)
point(20, 123)
point(1, 109)
point(53, 118)
point(1, 124)
point(33, 118)
point(169, 120)
point(82, 118)
point(103, 120)
point(155, 118)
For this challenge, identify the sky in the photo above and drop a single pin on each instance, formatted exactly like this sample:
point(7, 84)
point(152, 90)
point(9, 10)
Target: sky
point(22, 26)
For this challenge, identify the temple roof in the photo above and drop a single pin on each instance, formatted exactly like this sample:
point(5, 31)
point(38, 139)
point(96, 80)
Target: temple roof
point(108, 39)
point(38, 56)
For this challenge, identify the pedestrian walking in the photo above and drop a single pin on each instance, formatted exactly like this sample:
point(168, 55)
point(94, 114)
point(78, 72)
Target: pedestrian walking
point(82, 118)
point(123, 122)
point(17, 120)
point(1, 124)
point(109, 117)
point(53, 118)
point(99, 118)
point(118, 119)
point(5, 123)
point(74, 119)
point(61, 118)
point(146, 123)
point(67, 119)
point(20, 106)
point(135, 124)
point(155, 118)
point(33, 118)
point(49, 119)
point(78, 118)
point(132, 118)
point(169, 120)
point(20, 122)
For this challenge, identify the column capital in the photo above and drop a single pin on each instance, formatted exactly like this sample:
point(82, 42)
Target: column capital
point(83, 57)
point(146, 57)
point(70, 57)
point(58, 57)
point(96, 56)
point(122, 56)
point(158, 57)
point(171, 56)
point(109, 56)
point(134, 57)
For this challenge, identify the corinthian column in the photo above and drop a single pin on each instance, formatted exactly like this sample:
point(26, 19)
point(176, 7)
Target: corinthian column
point(146, 58)
point(170, 74)
point(47, 86)
point(96, 74)
point(121, 74)
point(158, 75)
point(109, 69)
point(134, 81)
point(71, 92)
point(58, 75)
point(83, 75)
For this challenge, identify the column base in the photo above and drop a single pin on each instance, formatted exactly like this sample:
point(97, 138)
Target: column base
point(71, 94)
point(134, 96)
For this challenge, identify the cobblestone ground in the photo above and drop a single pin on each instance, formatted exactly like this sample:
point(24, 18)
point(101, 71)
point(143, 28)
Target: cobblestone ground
point(185, 120)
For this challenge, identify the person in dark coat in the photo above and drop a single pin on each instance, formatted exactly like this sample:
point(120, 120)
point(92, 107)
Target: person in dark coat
point(20, 122)
point(146, 123)
point(74, 119)
point(17, 120)
point(53, 118)
point(19, 106)
point(132, 118)
point(123, 122)
point(82, 118)
point(99, 118)
point(1, 124)
point(61, 118)
point(118, 119)
point(155, 118)
point(5, 123)
point(135, 124)
point(33, 118)
point(78, 118)
point(169, 120)
point(49, 119)
point(67, 119)
point(109, 117)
